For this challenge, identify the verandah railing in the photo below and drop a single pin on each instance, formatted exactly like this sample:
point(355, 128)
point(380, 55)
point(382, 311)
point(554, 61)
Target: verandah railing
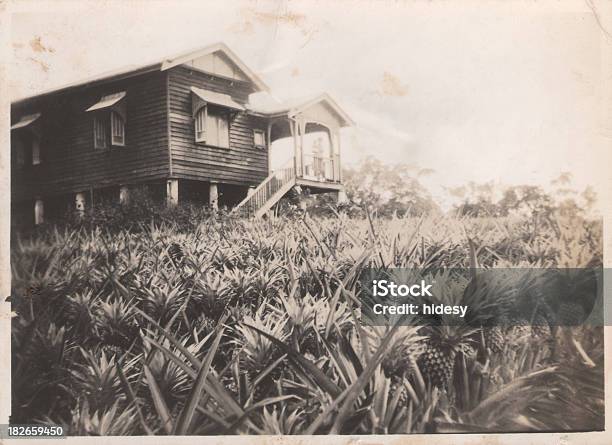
point(321, 168)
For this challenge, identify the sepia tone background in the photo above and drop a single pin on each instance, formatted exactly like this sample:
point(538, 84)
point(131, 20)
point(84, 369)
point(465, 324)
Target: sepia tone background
point(512, 93)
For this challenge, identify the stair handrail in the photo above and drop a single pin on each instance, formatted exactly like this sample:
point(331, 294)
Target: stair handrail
point(264, 190)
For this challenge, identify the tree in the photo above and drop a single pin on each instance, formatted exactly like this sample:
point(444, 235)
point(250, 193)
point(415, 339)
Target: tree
point(560, 199)
point(478, 199)
point(388, 189)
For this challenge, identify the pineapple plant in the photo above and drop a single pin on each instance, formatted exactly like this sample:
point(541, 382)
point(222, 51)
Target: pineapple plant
point(211, 294)
point(43, 296)
point(41, 366)
point(205, 324)
point(281, 422)
point(256, 352)
point(176, 253)
point(240, 286)
point(541, 326)
point(437, 362)
point(171, 380)
point(97, 378)
point(80, 308)
point(309, 343)
point(116, 324)
point(114, 421)
point(282, 279)
point(399, 376)
point(161, 299)
point(570, 313)
point(518, 329)
point(35, 290)
point(301, 314)
point(494, 338)
point(405, 346)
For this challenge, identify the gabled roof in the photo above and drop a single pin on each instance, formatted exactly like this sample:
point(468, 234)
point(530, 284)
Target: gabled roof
point(296, 106)
point(163, 65)
point(222, 47)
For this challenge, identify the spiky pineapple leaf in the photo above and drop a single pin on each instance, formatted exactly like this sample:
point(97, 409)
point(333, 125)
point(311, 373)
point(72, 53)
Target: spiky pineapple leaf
point(186, 416)
point(158, 400)
point(362, 381)
point(132, 397)
point(325, 382)
point(216, 389)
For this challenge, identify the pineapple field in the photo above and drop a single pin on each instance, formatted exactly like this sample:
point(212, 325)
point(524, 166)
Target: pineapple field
point(253, 327)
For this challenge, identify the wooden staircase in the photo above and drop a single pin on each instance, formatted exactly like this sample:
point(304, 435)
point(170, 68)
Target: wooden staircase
point(268, 193)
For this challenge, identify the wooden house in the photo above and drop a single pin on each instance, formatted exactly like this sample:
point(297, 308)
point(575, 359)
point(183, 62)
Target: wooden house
point(183, 128)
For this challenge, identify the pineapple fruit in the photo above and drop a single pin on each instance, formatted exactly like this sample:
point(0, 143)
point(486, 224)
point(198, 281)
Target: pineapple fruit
point(437, 362)
point(309, 343)
point(176, 253)
point(397, 384)
point(494, 338)
point(540, 327)
point(518, 328)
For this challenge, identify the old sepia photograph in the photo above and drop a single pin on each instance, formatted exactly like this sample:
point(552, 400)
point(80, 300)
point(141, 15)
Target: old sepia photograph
point(305, 218)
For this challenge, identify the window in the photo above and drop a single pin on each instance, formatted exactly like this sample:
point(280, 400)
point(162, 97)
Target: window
point(259, 138)
point(27, 149)
point(117, 130)
point(19, 151)
point(200, 125)
point(35, 151)
point(212, 112)
point(101, 131)
point(109, 127)
point(212, 127)
point(26, 140)
point(217, 127)
point(109, 120)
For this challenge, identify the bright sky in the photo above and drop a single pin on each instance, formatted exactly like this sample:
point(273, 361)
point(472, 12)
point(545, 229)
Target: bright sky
point(504, 91)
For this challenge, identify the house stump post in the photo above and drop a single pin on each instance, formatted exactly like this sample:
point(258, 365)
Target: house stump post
point(213, 198)
point(80, 202)
point(124, 195)
point(172, 192)
point(39, 212)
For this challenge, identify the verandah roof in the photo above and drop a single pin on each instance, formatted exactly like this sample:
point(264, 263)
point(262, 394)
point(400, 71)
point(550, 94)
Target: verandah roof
point(295, 107)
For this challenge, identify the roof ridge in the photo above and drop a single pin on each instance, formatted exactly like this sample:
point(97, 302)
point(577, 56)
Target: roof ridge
point(159, 63)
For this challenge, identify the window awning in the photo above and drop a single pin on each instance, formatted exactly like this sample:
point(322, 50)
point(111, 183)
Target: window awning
point(25, 121)
point(211, 97)
point(107, 101)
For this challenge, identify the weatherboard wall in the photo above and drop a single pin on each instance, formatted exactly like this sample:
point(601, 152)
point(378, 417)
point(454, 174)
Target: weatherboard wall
point(70, 162)
point(240, 164)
